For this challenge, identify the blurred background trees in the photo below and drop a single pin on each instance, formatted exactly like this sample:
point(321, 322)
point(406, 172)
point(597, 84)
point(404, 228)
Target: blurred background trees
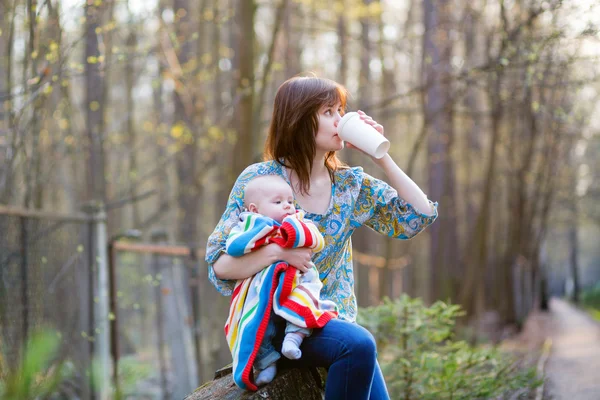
point(154, 107)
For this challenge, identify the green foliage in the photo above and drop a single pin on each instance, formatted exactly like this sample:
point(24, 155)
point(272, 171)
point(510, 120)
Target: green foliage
point(131, 372)
point(421, 358)
point(40, 373)
point(590, 299)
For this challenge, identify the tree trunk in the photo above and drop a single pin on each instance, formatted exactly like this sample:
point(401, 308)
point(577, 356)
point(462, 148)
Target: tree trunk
point(472, 150)
point(411, 273)
point(521, 231)
point(94, 107)
point(68, 177)
point(476, 255)
point(293, 40)
point(342, 33)
point(388, 88)
point(188, 197)
point(32, 168)
point(7, 129)
point(186, 158)
point(290, 384)
point(107, 42)
point(130, 78)
point(216, 44)
point(244, 109)
point(159, 123)
point(361, 238)
point(438, 114)
point(266, 71)
point(574, 242)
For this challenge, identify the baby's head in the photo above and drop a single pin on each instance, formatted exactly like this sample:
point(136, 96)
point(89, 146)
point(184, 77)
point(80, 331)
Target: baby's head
point(271, 196)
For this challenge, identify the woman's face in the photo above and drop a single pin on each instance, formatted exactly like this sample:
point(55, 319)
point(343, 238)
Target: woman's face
point(327, 138)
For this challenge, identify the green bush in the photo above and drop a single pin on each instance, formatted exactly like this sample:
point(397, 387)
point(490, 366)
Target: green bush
point(421, 358)
point(591, 297)
point(131, 373)
point(40, 372)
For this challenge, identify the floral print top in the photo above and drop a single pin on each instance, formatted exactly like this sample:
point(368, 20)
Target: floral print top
point(356, 199)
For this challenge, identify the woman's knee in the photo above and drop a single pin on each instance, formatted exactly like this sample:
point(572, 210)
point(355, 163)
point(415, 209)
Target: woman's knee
point(362, 343)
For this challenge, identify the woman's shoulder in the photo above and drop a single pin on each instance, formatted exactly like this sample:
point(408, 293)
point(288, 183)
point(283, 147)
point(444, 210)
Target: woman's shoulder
point(250, 172)
point(350, 176)
point(270, 167)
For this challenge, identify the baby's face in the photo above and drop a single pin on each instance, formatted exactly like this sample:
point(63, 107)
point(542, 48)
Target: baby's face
point(276, 201)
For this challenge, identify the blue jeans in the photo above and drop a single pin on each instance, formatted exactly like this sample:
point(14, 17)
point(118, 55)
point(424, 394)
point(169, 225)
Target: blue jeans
point(267, 354)
point(348, 350)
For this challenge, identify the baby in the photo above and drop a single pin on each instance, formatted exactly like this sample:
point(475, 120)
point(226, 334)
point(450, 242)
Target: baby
point(270, 196)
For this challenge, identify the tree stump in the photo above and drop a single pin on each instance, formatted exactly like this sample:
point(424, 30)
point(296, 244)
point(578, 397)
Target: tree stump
point(292, 384)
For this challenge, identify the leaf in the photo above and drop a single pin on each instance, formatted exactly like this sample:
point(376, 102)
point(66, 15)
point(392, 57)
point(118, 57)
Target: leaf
point(177, 130)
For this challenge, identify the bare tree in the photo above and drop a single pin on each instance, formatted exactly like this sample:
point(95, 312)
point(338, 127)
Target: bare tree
point(188, 199)
point(388, 88)
point(362, 239)
point(130, 80)
point(475, 124)
point(266, 71)
point(7, 128)
point(342, 33)
point(32, 166)
point(159, 123)
point(244, 109)
point(216, 44)
point(439, 124)
point(94, 107)
point(293, 39)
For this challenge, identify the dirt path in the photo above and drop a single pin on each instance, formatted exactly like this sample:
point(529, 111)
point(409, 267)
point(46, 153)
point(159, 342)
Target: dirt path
point(573, 367)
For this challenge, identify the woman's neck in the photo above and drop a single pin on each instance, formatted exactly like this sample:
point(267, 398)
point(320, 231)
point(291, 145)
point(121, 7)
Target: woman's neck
point(317, 174)
point(318, 197)
point(319, 170)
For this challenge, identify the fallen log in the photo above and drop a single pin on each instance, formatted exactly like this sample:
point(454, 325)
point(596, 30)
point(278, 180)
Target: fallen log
point(292, 384)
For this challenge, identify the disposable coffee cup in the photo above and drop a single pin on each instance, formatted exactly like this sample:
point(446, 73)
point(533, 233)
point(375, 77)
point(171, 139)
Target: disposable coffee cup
point(354, 130)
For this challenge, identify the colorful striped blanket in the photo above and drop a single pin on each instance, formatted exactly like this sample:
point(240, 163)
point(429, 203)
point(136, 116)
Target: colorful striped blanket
point(277, 287)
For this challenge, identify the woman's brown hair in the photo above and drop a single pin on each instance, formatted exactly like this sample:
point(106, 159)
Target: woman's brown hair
point(295, 121)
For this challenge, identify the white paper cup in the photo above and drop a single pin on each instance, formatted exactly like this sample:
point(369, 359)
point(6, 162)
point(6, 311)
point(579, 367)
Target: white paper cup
point(354, 130)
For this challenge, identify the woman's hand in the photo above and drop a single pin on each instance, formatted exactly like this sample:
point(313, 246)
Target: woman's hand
point(299, 258)
point(370, 121)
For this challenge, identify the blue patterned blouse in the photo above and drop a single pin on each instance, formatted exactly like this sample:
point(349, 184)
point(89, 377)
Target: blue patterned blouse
point(357, 199)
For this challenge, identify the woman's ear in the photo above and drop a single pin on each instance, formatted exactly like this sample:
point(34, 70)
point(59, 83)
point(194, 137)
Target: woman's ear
point(252, 208)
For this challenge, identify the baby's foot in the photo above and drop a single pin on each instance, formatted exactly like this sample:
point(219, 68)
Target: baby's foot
point(291, 346)
point(266, 375)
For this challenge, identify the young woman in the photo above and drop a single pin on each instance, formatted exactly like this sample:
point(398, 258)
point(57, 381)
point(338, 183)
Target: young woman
point(301, 147)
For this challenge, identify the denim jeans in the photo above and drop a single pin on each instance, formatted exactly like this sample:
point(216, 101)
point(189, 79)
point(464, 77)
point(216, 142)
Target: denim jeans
point(348, 351)
point(267, 354)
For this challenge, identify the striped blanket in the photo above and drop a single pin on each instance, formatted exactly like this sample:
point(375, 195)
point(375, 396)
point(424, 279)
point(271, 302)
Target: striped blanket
point(277, 287)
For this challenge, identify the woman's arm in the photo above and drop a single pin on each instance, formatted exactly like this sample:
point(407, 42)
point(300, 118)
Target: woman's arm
point(406, 187)
point(235, 268)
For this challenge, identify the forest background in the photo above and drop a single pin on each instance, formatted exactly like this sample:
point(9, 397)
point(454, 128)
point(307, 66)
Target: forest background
point(152, 108)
